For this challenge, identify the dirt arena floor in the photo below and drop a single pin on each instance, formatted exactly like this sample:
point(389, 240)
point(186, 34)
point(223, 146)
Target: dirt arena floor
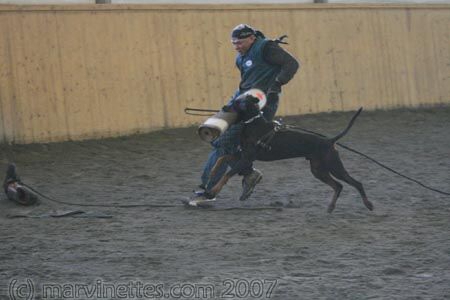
point(401, 250)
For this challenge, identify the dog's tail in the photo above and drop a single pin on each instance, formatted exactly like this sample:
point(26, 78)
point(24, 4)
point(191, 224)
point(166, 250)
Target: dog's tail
point(350, 124)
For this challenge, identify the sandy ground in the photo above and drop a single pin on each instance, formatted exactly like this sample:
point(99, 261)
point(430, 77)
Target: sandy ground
point(401, 250)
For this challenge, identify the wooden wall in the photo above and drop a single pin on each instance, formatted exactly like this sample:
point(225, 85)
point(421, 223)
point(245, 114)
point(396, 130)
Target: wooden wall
point(74, 72)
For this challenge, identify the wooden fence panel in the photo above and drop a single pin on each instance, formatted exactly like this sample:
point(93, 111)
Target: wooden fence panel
point(70, 72)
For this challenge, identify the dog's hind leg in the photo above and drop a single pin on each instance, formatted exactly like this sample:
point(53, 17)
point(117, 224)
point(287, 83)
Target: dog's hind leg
point(323, 175)
point(337, 169)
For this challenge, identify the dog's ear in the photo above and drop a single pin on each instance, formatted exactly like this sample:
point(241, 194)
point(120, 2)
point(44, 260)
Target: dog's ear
point(252, 99)
point(251, 102)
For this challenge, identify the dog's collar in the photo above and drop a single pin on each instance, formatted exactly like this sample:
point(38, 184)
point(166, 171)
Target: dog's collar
point(254, 118)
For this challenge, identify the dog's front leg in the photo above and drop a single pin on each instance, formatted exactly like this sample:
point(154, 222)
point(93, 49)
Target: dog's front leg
point(219, 185)
point(223, 159)
point(242, 164)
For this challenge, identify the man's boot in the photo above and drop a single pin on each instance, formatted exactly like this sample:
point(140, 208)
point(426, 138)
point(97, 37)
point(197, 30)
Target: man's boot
point(249, 182)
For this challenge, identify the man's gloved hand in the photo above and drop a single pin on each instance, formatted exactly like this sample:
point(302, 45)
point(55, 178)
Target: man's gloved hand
point(275, 88)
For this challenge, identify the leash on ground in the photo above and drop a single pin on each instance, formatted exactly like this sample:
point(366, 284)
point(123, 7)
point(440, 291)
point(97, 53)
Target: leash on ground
point(149, 205)
point(373, 160)
point(191, 111)
point(99, 205)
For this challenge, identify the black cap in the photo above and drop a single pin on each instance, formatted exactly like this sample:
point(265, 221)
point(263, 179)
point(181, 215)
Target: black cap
point(242, 31)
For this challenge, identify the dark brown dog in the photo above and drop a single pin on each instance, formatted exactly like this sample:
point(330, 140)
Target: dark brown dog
point(262, 140)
